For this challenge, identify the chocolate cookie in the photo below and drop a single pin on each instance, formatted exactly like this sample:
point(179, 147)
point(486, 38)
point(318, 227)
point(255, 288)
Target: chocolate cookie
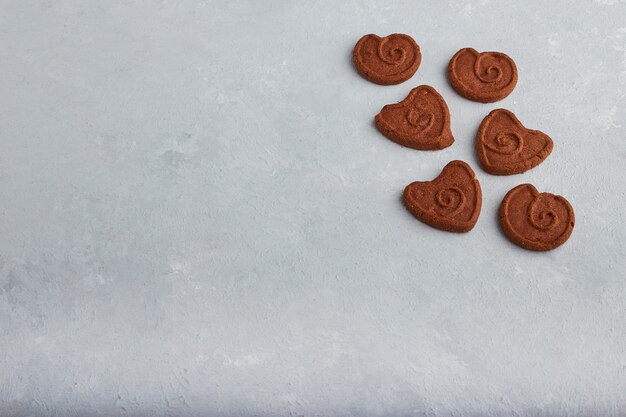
point(389, 60)
point(420, 121)
point(450, 202)
point(484, 77)
point(536, 221)
point(506, 147)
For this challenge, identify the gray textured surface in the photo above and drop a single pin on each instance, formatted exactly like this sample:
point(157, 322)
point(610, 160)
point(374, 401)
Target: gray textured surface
point(198, 217)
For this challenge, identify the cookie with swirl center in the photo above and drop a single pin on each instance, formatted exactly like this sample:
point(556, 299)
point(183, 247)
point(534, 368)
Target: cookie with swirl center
point(386, 60)
point(450, 202)
point(536, 221)
point(505, 147)
point(420, 121)
point(484, 76)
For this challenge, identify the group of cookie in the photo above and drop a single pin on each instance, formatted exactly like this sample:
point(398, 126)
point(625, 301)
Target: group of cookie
point(452, 201)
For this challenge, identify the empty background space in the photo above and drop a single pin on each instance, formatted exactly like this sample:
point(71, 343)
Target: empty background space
point(199, 218)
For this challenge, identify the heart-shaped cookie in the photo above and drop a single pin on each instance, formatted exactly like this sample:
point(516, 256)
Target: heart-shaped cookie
point(388, 60)
point(504, 146)
point(484, 77)
point(420, 121)
point(534, 220)
point(450, 202)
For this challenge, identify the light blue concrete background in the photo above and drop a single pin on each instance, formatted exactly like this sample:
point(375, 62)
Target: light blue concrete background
point(198, 217)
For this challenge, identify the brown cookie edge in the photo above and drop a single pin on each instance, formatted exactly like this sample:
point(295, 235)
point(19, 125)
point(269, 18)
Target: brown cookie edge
point(520, 241)
point(393, 80)
point(445, 140)
point(512, 169)
point(437, 222)
point(466, 93)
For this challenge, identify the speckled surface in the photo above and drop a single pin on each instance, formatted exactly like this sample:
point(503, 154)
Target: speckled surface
point(198, 216)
